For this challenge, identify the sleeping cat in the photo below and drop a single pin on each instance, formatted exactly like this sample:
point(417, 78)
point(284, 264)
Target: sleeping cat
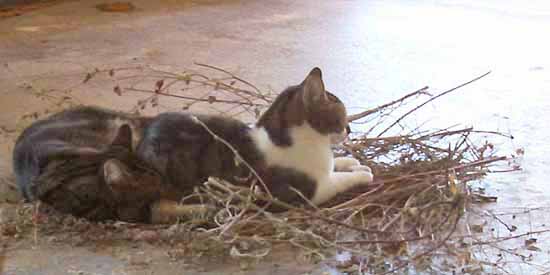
point(289, 147)
point(81, 162)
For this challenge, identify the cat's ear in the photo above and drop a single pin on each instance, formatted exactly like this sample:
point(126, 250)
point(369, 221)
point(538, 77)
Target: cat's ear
point(314, 88)
point(123, 137)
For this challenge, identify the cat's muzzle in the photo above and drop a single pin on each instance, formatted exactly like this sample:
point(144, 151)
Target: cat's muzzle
point(337, 138)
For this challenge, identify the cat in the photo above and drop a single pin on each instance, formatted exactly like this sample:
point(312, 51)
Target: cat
point(289, 147)
point(81, 162)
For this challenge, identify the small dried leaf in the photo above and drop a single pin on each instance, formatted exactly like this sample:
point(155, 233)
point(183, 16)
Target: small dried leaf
point(478, 228)
point(8, 230)
point(530, 241)
point(117, 90)
point(159, 85)
point(111, 72)
point(485, 199)
point(87, 78)
point(142, 104)
point(211, 99)
point(232, 82)
point(396, 248)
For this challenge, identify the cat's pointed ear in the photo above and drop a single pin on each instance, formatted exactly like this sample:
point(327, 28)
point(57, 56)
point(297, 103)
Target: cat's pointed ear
point(314, 88)
point(123, 137)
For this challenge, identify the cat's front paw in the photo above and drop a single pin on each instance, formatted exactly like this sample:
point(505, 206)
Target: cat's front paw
point(344, 164)
point(360, 168)
point(362, 176)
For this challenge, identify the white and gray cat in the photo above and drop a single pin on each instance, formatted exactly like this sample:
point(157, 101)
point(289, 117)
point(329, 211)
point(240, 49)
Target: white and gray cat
point(149, 163)
point(289, 147)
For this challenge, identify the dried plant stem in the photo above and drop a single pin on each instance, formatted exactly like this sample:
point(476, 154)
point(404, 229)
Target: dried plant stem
point(457, 168)
point(430, 100)
point(429, 251)
point(232, 75)
point(366, 113)
point(195, 98)
point(236, 153)
point(307, 213)
point(502, 239)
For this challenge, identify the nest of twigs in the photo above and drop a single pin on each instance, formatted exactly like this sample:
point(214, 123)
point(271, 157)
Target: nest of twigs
point(405, 219)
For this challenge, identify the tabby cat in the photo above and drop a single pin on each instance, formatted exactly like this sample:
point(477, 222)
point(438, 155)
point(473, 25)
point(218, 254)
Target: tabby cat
point(80, 161)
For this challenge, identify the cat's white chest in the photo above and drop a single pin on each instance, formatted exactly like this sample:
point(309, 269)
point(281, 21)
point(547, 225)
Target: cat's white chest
point(310, 151)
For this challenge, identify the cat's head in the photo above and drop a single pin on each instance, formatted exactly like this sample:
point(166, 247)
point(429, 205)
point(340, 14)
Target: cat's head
point(131, 182)
point(309, 103)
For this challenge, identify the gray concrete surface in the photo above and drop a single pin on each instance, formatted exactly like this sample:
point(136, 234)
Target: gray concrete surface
point(370, 52)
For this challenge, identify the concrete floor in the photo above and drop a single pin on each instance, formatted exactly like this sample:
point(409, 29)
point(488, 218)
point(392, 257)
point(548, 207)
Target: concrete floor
point(271, 43)
point(370, 53)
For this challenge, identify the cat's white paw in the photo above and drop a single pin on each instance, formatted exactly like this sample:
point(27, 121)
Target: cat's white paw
point(360, 168)
point(362, 177)
point(344, 164)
